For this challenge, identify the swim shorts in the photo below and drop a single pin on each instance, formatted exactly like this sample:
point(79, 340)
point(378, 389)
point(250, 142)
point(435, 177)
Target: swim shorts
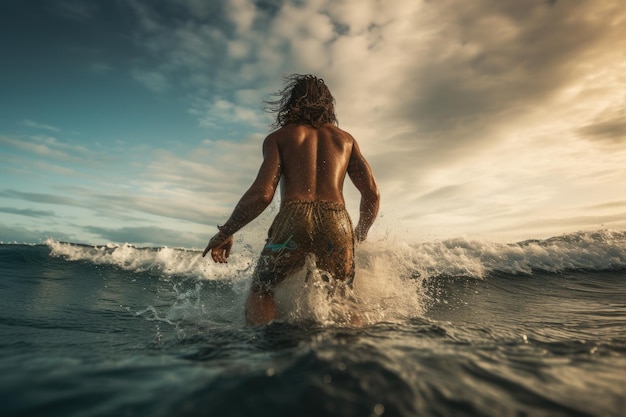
point(321, 228)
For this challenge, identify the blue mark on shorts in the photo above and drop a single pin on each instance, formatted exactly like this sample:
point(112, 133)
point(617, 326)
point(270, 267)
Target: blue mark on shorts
point(276, 247)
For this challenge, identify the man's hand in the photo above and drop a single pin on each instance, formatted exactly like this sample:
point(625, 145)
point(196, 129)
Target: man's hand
point(220, 246)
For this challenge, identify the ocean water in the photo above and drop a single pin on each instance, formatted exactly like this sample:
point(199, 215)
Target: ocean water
point(443, 328)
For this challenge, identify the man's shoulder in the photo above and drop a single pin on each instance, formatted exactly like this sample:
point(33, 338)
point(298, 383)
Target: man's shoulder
point(286, 130)
point(302, 131)
point(336, 132)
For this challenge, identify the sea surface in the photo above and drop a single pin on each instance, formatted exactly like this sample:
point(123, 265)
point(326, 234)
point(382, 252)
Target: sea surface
point(442, 328)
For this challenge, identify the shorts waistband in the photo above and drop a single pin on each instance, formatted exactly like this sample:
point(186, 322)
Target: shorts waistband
point(326, 205)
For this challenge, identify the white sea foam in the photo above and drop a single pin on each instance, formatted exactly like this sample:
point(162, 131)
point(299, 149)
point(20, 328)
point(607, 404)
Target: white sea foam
point(600, 250)
point(379, 293)
point(389, 274)
point(159, 260)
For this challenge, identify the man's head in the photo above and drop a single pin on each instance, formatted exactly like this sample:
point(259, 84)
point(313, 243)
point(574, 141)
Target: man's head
point(304, 99)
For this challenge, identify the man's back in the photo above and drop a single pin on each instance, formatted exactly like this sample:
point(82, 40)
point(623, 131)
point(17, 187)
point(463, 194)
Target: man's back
point(314, 162)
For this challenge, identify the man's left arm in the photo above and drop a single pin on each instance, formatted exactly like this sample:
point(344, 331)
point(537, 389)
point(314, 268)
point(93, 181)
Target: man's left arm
point(362, 177)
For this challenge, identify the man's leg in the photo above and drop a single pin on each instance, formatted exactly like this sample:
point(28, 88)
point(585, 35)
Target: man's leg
point(260, 308)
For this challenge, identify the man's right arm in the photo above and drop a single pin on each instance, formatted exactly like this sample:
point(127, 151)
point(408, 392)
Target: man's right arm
point(362, 177)
point(251, 204)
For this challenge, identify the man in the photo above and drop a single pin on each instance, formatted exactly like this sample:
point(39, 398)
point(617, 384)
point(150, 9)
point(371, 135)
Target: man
point(311, 156)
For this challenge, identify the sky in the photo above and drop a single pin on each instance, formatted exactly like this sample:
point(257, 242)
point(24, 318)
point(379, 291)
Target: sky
point(136, 121)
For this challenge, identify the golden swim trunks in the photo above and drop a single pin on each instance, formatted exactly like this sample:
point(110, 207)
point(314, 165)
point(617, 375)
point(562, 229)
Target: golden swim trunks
point(321, 228)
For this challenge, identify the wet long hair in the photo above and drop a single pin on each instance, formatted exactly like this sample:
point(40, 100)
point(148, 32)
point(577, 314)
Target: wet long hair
point(304, 99)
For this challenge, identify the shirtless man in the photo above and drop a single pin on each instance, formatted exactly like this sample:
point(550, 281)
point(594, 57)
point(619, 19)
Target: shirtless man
point(311, 156)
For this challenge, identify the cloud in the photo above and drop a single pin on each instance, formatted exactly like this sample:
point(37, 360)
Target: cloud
point(608, 126)
point(27, 212)
point(445, 192)
point(241, 13)
point(613, 130)
point(36, 125)
point(474, 68)
point(146, 236)
point(28, 235)
point(220, 112)
point(610, 205)
point(121, 204)
point(548, 226)
point(41, 198)
point(201, 186)
point(80, 11)
point(51, 148)
point(100, 68)
point(243, 47)
point(153, 80)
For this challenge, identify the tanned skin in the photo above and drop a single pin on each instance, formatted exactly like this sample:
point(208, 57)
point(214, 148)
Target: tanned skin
point(312, 163)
